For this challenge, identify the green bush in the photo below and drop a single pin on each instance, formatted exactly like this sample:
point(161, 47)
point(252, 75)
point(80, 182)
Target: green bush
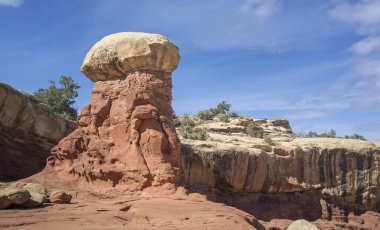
point(222, 108)
point(197, 134)
point(188, 130)
point(355, 136)
point(209, 114)
point(205, 115)
point(254, 130)
point(269, 140)
point(224, 117)
point(60, 99)
point(331, 134)
point(176, 121)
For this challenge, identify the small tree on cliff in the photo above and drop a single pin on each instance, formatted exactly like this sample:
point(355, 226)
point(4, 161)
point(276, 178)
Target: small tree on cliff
point(60, 99)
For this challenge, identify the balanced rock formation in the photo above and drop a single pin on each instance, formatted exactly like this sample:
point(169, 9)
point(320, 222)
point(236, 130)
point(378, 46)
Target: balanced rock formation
point(28, 130)
point(126, 137)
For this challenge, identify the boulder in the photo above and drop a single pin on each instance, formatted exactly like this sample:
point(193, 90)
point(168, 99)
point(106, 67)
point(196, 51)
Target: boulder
point(35, 188)
point(121, 53)
point(301, 225)
point(12, 196)
point(60, 197)
point(125, 138)
point(36, 200)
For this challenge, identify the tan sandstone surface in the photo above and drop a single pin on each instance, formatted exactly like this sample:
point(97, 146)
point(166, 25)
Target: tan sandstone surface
point(28, 130)
point(312, 178)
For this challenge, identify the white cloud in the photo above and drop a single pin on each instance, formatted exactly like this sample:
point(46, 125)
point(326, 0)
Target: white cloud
point(14, 3)
point(365, 14)
point(367, 67)
point(220, 24)
point(260, 9)
point(367, 45)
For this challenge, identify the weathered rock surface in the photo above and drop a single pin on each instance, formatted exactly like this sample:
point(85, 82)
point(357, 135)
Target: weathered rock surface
point(11, 196)
point(126, 137)
point(301, 225)
point(60, 197)
point(121, 53)
point(333, 176)
point(28, 130)
point(35, 200)
point(99, 211)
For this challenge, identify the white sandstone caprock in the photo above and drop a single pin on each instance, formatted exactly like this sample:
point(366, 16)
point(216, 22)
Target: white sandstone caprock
point(118, 54)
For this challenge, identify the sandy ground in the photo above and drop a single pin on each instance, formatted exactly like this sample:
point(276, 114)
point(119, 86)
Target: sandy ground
point(95, 211)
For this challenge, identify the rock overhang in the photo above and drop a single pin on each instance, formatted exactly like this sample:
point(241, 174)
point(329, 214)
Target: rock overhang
point(117, 54)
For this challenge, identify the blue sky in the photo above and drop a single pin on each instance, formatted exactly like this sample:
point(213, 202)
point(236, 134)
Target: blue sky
point(314, 62)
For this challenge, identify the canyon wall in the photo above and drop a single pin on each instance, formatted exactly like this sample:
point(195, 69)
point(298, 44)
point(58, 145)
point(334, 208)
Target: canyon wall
point(331, 176)
point(28, 130)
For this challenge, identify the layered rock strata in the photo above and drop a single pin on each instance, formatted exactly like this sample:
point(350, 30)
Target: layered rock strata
point(332, 176)
point(126, 137)
point(28, 130)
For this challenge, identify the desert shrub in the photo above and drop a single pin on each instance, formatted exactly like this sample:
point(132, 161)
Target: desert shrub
point(197, 134)
point(222, 108)
point(309, 134)
point(224, 117)
point(355, 136)
point(209, 114)
point(188, 130)
point(331, 134)
point(176, 121)
point(254, 130)
point(205, 115)
point(269, 140)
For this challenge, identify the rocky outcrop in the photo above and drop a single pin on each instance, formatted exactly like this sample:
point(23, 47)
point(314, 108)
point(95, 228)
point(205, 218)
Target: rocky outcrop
point(301, 225)
point(28, 130)
point(332, 175)
point(126, 138)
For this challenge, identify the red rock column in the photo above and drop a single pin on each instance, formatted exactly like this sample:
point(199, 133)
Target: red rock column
point(126, 137)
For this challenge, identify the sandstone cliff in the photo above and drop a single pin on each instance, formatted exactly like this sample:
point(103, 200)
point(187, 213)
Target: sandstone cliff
point(343, 174)
point(28, 130)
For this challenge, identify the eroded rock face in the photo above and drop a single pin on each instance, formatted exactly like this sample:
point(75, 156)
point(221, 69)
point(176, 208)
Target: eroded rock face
point(28, 130)
point(126, 137)
point(331, 176)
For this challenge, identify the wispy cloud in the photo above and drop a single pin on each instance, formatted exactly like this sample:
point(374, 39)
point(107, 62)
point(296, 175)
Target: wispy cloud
point(364, 14)
point(14, 3)
point(362, 79)
point(220, 24)
point(260, 9)
point(366, 46)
